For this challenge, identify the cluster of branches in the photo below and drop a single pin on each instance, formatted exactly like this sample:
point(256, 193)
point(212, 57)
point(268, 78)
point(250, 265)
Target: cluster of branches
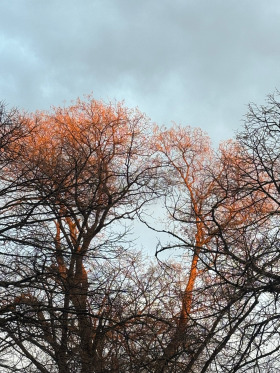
point(76, 296)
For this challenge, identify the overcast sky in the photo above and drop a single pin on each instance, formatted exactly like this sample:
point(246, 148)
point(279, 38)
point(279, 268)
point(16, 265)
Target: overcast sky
point(196, 62)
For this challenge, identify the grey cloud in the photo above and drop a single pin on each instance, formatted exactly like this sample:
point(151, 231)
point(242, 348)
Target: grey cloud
point(195, 62)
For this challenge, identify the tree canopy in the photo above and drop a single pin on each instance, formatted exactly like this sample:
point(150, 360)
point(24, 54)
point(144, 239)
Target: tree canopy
point(77, 294)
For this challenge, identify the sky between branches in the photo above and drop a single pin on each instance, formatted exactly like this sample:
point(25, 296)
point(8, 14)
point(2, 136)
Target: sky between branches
point(196, 62)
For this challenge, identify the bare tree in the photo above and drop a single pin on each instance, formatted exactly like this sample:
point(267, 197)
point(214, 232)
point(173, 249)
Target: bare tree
point(218, 221)
point(80, 171)
point(75, 297)
point(247, 237)
point(187, 158)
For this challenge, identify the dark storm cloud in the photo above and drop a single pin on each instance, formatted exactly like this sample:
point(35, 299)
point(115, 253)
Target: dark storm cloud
point(195, 62)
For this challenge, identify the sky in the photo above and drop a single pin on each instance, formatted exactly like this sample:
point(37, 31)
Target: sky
point(195, 62)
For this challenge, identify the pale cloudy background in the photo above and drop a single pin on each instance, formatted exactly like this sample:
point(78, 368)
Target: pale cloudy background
point(197, 62)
